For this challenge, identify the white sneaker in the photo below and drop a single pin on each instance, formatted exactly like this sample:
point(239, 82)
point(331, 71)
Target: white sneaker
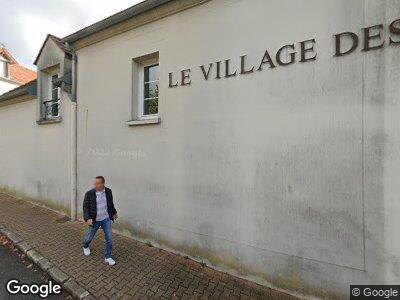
point(109, 261)
point(86, 251)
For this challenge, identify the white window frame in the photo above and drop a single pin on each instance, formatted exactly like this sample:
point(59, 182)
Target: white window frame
point(142, 66)
point(4, 66)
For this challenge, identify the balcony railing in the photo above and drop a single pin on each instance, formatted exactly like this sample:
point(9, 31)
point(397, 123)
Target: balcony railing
point(51, 109)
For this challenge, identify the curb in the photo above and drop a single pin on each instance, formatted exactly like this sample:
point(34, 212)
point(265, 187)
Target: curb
point(43, 263)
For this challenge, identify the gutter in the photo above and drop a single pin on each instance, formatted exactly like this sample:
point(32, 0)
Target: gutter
point(74, 137)
point(29, 88)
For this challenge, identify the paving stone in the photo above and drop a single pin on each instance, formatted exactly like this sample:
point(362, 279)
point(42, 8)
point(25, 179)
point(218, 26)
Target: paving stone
point(44, 264)
point(14, 237)
point(34, 255)
point(57, 275)
point(23, 246)
point(141, 271)
point(90, 297)
point(76, 290)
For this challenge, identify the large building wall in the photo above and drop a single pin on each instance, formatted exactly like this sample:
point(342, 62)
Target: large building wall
point(35, 159)
point(286, 175)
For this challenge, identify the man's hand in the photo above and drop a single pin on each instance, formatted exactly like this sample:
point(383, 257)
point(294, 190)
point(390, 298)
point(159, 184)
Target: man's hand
point(89, 222)
point(115, 217)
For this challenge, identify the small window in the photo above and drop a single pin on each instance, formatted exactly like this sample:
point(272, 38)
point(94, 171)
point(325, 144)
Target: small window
point(150, 97)
point(145, 90)
point(3, 68)
point(148, 89)
point(52, 103)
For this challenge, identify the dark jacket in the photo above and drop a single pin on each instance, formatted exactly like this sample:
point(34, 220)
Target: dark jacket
point(90, 205)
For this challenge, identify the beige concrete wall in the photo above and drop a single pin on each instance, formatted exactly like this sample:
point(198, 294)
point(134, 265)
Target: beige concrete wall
point(286, 176)
point(35, 159)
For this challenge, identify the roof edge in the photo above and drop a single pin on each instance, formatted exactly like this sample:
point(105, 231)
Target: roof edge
point(119, 17)
point(138, 15)
point(56, 41)
point(29, 88)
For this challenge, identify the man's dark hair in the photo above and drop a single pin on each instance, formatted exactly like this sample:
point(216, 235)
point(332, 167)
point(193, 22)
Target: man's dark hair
point(102, 178)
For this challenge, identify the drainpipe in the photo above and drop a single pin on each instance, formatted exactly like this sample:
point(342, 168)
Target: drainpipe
point(74, 136)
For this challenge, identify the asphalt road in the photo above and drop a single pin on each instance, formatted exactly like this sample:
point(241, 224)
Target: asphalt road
point(14, 265)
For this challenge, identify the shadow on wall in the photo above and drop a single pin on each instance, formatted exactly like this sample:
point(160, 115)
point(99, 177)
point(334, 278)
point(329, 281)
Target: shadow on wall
point(43, 202)
point(289, 280)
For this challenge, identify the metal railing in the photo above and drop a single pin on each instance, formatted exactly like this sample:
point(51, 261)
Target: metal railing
point(51, 109)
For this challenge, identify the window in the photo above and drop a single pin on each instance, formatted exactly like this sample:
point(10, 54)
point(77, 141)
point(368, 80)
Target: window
point(3, 68)
point(145, 90)
point(149, 89)
point(52, 103)
point(150, 97)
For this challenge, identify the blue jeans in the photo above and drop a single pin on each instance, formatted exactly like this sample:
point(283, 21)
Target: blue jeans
point(106, 226)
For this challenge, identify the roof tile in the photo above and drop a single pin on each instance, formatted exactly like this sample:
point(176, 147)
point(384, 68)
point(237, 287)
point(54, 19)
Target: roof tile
point(21, 74)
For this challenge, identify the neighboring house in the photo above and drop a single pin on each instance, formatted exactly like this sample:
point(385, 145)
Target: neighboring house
point(235, 132)
point(12, 74)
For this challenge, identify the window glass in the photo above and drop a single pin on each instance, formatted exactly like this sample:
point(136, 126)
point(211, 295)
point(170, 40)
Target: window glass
point(150, 97)
point(150, 106)
point(151, 73)
point(54, 88)
point(151, 90)
point(52, 103)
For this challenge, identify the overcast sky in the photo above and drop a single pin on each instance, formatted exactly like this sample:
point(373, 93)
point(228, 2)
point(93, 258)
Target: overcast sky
point(24, 24)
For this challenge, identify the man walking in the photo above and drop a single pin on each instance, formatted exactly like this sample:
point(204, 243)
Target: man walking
point(99, 211)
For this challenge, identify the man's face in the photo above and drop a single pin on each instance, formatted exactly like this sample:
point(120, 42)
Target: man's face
point(98, 184)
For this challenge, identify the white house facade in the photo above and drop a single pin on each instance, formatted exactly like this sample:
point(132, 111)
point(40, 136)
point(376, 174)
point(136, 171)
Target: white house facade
point(261, 137)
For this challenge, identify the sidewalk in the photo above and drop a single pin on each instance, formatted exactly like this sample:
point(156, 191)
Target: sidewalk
point(142, 272)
